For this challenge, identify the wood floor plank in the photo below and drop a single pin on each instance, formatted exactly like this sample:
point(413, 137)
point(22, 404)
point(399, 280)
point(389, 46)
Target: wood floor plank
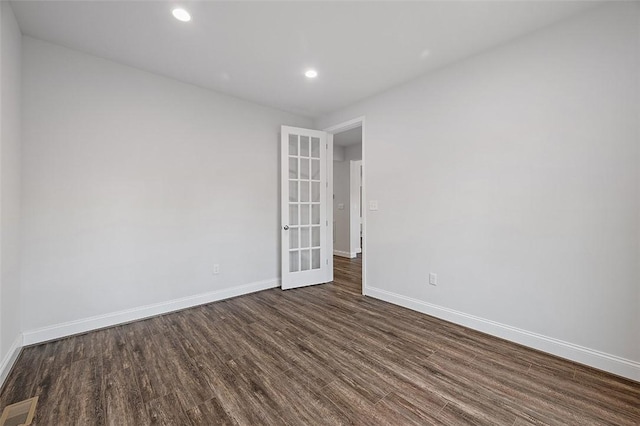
point(87, 405)
point(115, 352)
point(53, 395)
point(224, 384)
point(353, 407)
point(122, 399)
point(151, 370)
point(409, 413)
point(191, 330)
point(167, 410)
point(319, 355)
point(87, 345)
point(189, 386)
point(19, 387)
point(258, 404)
point(301, 402)
point(53, 382)
point(210, 413)
point(455, 413)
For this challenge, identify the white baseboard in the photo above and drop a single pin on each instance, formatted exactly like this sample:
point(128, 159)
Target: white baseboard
point(344, 254)
point(10, 358)
point(603, 361)
point(70, 328)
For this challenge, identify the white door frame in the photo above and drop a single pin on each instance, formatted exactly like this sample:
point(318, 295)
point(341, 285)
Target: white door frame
point(338, 128)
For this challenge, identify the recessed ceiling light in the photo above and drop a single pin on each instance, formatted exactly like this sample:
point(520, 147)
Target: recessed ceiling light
point(181, 15)
point(311, 73)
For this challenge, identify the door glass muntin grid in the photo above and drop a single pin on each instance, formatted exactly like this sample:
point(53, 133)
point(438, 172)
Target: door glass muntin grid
point(304, 203)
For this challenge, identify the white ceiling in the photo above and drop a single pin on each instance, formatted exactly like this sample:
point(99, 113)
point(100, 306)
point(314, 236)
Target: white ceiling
point(348, 137)
point(259, 50)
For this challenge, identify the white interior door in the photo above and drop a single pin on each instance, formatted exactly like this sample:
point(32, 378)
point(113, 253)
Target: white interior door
point(306, 248)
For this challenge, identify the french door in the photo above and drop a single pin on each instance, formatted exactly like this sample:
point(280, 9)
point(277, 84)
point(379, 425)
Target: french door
point(305, 225)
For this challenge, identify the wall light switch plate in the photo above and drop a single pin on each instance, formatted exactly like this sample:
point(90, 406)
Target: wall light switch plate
point(373, 205)
point(433, 278)
point(340, 206)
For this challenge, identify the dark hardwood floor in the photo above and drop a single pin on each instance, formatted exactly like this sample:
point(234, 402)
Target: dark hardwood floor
point(317, 355)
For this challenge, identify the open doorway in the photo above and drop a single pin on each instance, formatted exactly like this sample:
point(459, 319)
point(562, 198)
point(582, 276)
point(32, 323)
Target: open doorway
point(348, 222)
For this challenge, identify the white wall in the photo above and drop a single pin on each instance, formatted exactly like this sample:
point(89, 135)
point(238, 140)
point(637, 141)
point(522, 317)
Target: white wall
point(341, 215)
point(514, 176)
point(10, 74)
point(353, 152)
point(341, 191)
point(134, 185)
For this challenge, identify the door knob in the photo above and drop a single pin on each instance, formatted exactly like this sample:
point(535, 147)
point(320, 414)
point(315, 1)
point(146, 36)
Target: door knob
point(286, 227)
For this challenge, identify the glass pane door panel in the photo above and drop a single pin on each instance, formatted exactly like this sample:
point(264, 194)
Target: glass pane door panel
point(293, 191)
point(315, 259)
point(305, 260)
point(315, 214)
point(293, 214)
point(304, 237)
point(304, 191)
point(304, 146)
point(315, 236)
point(293, 168)
point(294, 261)
point(315, 192)
point(293, 144)
point(315, 169)
point(304, 214)
point(315, 147)
point(293, 238)
point(304, 168)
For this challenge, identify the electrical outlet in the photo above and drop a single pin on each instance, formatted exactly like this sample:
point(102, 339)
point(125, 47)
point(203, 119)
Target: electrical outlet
point(373, 205)
point(433, 278)
point(216, 269)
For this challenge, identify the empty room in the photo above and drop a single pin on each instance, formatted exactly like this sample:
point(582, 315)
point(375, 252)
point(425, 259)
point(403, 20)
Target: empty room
point(319, 212)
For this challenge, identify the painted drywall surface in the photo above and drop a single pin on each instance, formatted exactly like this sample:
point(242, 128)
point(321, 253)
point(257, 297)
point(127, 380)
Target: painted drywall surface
point(355, 213)
point(10, 75)
point(514, 176)
point(135, 185)
point(2, 347)
point(341, 199)
point(341, 191)
point(353, 152)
